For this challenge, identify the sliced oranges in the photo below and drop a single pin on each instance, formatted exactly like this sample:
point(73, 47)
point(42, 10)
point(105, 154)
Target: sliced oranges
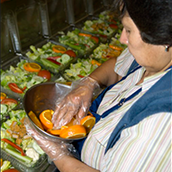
point(32, 67)
point(35, 119)
point(88, 122)
point(3, 96)
point(68, 131)
point(54, 132)
point(74, 131)
point(45, 118)
point(59, 49)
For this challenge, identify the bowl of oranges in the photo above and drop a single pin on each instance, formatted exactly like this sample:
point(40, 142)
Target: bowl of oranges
point(40, 102)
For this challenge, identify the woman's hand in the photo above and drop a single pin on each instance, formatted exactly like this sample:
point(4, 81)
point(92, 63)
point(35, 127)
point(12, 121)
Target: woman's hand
point(54, 148)
point(76, 103)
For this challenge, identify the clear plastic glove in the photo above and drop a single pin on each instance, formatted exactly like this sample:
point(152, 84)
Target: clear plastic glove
point(76, 102)
point(54, 148)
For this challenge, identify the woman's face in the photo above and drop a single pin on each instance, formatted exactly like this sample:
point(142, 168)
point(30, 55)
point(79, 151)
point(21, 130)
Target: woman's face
point(152, 57)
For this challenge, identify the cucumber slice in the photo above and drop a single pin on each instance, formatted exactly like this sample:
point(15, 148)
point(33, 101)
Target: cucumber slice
point(64, 58)
point(4, 108)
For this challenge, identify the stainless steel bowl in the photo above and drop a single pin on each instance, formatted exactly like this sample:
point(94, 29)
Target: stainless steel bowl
point(41, 97)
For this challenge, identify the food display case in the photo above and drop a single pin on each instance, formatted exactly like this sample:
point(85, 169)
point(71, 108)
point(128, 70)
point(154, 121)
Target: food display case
point(68, 39)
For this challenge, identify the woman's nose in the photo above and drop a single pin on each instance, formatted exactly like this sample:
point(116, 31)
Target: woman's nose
point(123, 38)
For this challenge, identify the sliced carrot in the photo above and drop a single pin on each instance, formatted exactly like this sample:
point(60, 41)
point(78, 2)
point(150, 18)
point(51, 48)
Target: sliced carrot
point(85, 34)
point(95, 62)
point(115, 47)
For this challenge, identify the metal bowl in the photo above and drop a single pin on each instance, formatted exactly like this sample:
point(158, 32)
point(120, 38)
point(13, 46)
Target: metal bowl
point(41, 97)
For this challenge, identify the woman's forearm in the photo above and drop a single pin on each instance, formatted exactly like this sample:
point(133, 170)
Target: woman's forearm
point(105, 74)
point(68, 164)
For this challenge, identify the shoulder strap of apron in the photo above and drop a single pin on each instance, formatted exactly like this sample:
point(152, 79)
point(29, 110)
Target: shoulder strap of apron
point(157, 99)
point(97, 101)
point(133, 66)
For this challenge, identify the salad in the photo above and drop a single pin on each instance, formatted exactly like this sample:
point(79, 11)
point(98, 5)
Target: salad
point(99, 27)
point(107, 16)
point(108, 50)
point(20, 78)
point(80, 69)
point(16, 142)
point(78, 40)
point(6, 166)
point(52, 56)
point(7, 104)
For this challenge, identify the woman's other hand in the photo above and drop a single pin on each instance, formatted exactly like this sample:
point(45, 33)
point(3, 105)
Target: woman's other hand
point(75, 103)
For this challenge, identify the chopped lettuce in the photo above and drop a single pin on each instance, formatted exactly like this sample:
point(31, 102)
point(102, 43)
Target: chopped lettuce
point(20, 76)
point(6, 165)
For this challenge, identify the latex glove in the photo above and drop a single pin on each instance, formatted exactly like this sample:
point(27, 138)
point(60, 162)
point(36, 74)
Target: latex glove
point(54, 148)
point(75, 103)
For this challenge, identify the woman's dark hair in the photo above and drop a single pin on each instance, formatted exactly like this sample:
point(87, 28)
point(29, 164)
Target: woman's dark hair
point(152, 17)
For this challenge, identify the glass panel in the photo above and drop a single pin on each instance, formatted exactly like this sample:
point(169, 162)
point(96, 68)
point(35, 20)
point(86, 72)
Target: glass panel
point(97, 5)
point(6, 45)
point(79, 8)
point(29, 25)
point(57, 15)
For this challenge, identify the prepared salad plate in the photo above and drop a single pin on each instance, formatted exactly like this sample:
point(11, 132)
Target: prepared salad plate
point(81, 68)
point(6, 165)
point(18, 147)
point(20, 74)
point(109, 50)
point(104, 29)
point(40, 165)
point(8, 103)
point(52, 55)
point(79, 40)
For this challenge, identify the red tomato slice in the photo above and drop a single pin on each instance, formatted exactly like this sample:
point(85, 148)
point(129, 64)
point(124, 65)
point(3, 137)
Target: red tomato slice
point(14, 87)
point(54, 57)
point(70, 53)
point(103, 36)
point(11, 170)
point(95, 39)
point(81, 76)
point(113, 26)
point(8, 101)
point(45, 74)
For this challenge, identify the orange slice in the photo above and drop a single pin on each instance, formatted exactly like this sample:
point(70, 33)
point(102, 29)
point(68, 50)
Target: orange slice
point(32, 67)
point(115, 47)
point(1, 161)
point(35, 119)
point(54, 132)
point(88, 122)
point(75, 131)
point(3, 96)
point(59, 49)
point(45, 118)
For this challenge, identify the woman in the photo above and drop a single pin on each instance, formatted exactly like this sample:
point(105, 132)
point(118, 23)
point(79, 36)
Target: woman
point(133, 128)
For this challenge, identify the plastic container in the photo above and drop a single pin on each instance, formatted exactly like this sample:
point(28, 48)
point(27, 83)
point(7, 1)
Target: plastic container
point(43, 51)
point(71, 42)
point(19, 79)
point(39, 165)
